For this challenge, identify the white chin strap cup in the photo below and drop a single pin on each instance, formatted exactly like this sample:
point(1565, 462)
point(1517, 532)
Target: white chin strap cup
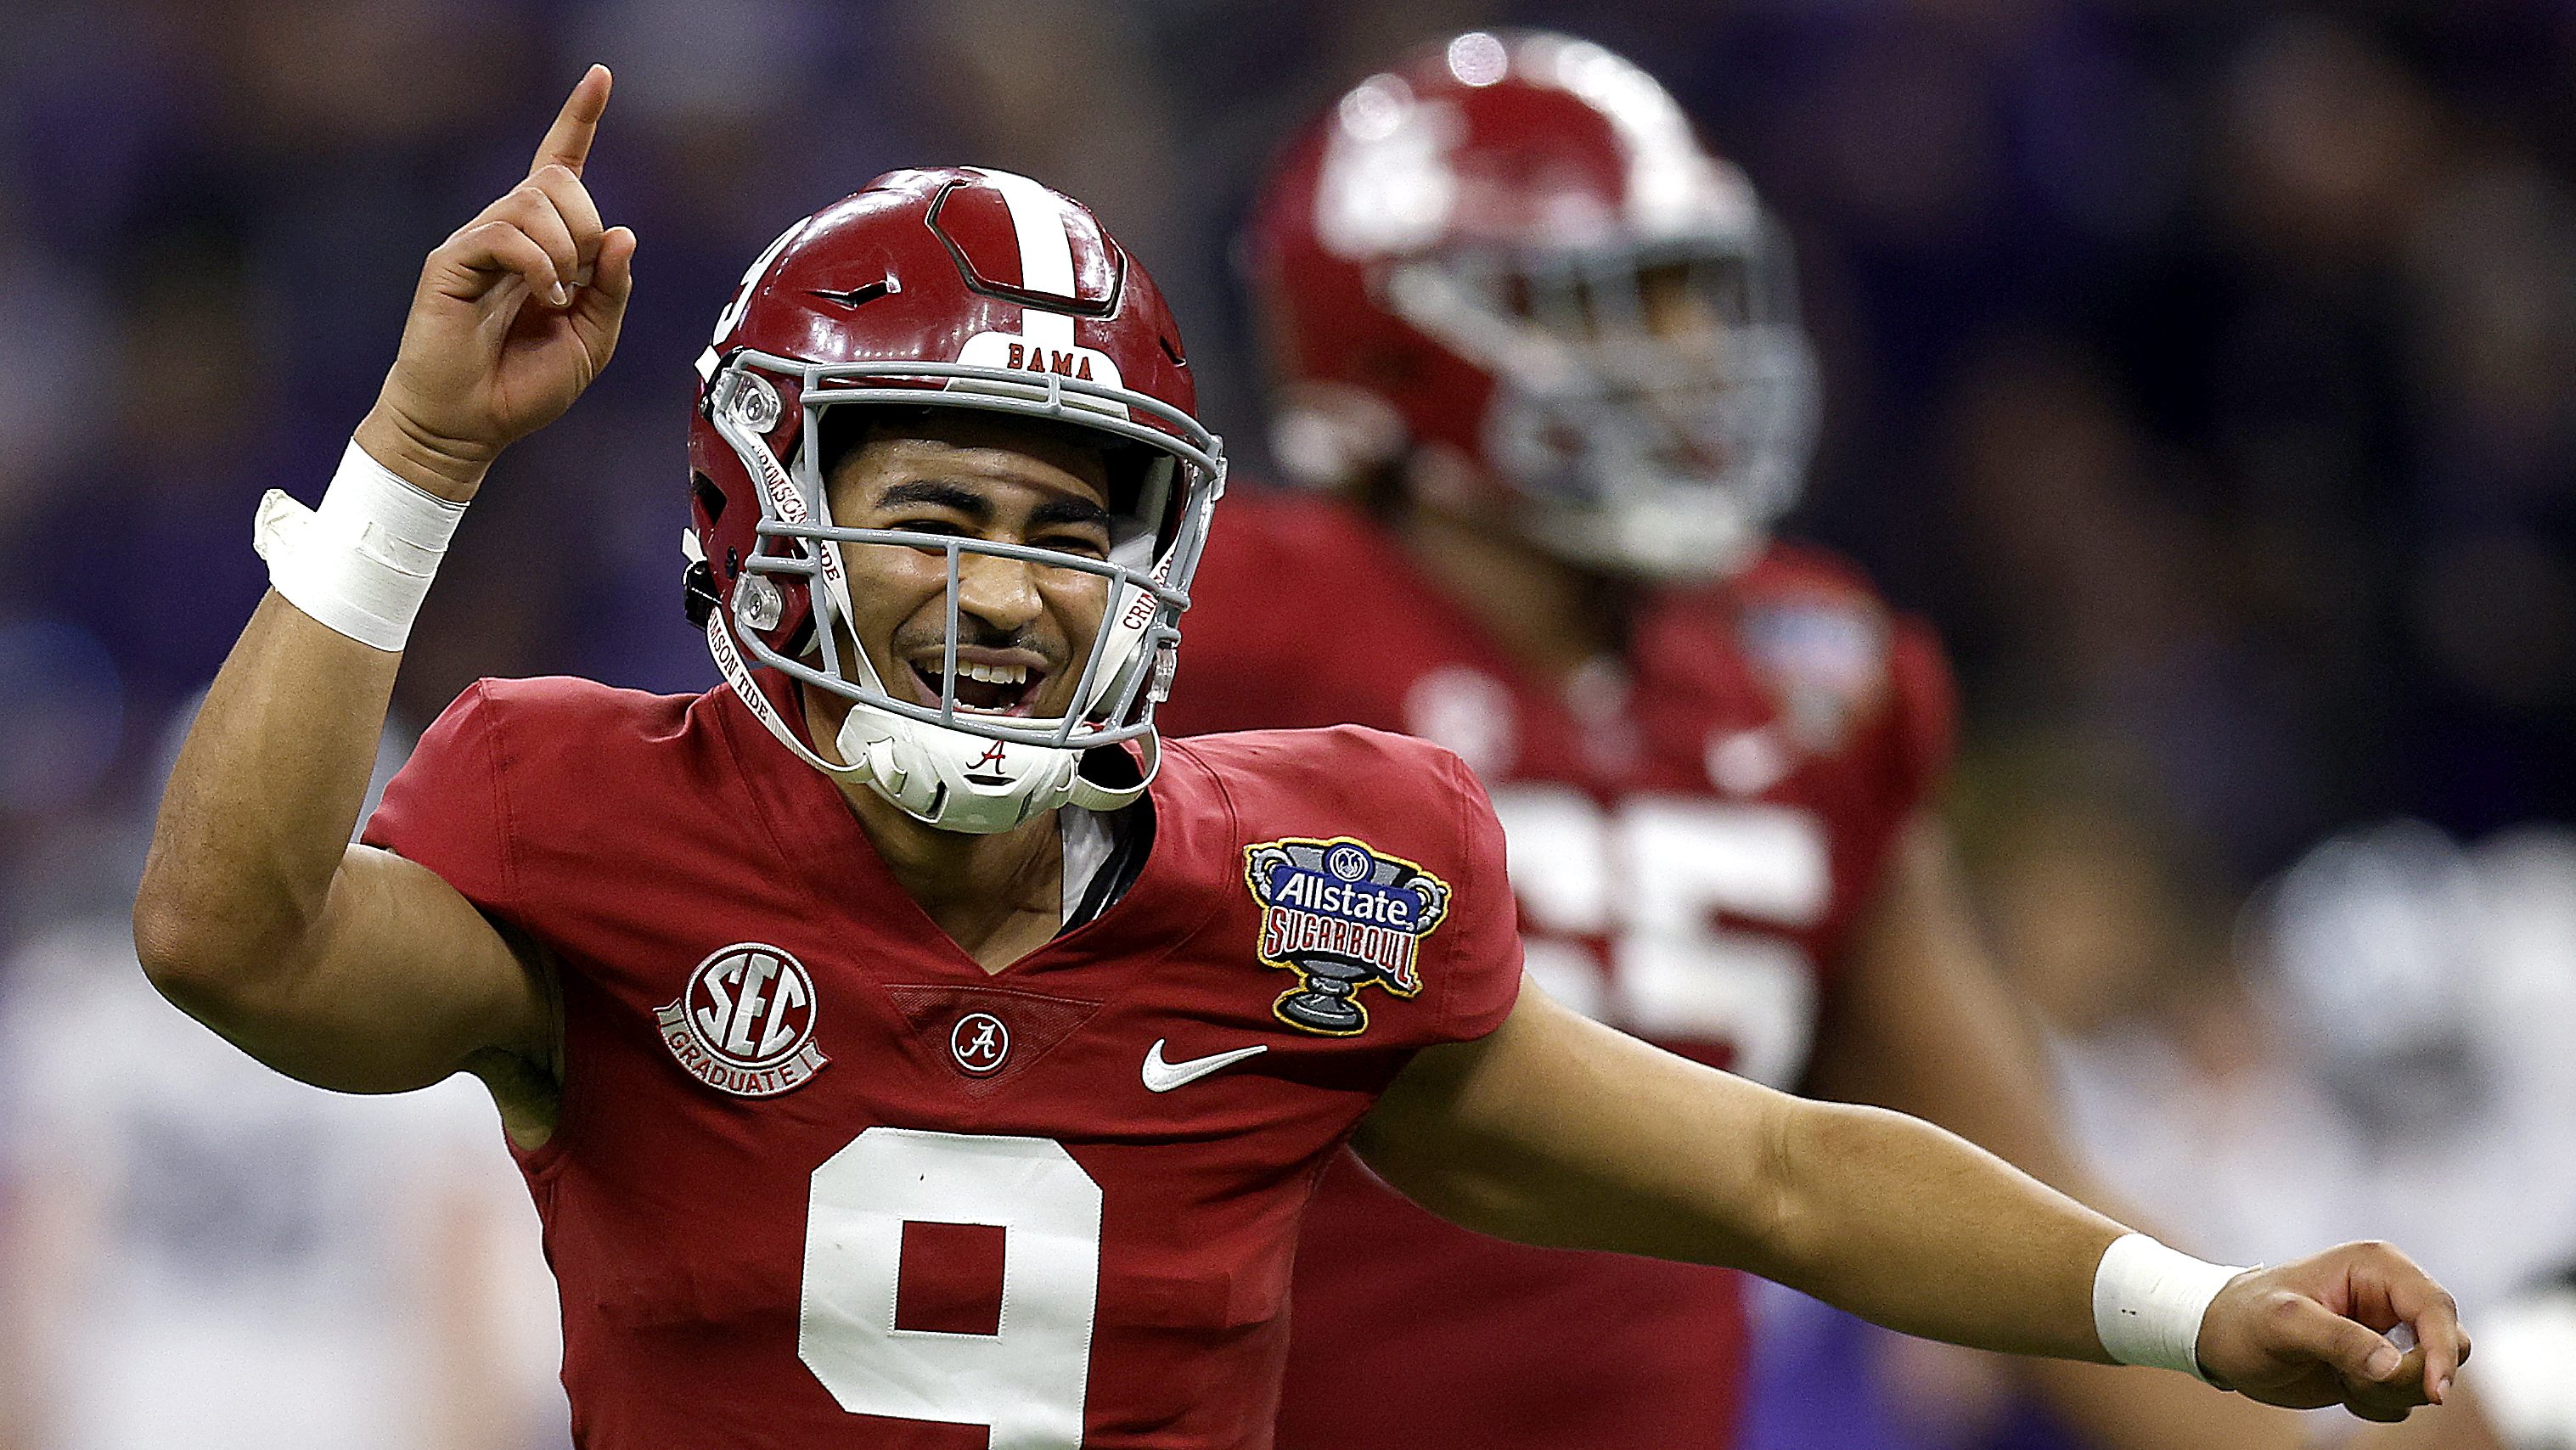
point(921, 786)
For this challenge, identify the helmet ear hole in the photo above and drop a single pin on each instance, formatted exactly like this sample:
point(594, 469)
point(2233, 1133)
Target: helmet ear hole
point(698, 592)
point(709, 498)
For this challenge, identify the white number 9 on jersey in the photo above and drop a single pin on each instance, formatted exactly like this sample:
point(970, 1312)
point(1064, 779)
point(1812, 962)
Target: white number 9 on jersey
point(1027, 1380)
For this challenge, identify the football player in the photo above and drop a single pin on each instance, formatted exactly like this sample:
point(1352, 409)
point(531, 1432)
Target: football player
point(902, 1047)
point(1544, 347)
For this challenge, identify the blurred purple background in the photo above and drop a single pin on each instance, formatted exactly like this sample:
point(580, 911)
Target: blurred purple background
point(2206, 371)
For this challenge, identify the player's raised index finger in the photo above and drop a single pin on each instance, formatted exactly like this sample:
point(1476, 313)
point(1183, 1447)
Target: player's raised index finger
point(567, 141)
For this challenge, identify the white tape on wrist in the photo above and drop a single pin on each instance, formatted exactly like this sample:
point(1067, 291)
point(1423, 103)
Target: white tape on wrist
point(2148, 1301)
point(361, 563)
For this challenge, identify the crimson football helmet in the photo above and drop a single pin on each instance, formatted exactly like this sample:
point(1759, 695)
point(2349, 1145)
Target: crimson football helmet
point(1515, 247)
point(955, 288)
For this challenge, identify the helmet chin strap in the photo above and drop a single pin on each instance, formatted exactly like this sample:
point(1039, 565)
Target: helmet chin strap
point(1662, 543)
point(737, 673)
point(1091, 795)
point(921, 790)
point(873, 758)
point(932, 786)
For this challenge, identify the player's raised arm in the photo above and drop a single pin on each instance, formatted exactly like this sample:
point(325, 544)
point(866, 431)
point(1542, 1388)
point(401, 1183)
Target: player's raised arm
point(515, 314)
point(1556, 1130)
point(344, 965)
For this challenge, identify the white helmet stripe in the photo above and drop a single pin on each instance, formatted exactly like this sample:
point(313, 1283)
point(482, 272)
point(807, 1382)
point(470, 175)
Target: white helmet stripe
point(1046, 253)
point(1674, 185)
point(741, 299)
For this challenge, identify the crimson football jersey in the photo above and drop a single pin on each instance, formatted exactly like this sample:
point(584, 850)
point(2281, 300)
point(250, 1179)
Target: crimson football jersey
point(819, 1179)
point(1692, 829)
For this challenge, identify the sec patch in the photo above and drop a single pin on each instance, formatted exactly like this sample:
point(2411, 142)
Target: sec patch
point(1342, 915)
point(744, 1024)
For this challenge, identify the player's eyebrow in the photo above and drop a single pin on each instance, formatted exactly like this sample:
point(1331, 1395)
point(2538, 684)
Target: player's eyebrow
point(940, 493)
point(1079, 511)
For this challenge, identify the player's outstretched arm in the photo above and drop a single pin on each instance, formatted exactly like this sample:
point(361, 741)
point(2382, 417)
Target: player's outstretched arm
point(1923, 1022)
point(1557, 1130)
point(344, 965)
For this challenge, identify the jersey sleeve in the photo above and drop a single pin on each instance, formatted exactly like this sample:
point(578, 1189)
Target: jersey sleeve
point(449, 808)
point(1481, 958)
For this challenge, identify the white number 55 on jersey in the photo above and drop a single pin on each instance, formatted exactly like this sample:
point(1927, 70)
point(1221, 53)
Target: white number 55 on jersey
point(1652, 874)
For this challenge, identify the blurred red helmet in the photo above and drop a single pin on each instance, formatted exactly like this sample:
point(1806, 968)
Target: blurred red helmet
point(1514, 246)
point(964, 289)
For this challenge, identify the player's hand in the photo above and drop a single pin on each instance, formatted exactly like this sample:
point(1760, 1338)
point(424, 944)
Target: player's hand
point(515, 314)
point(2313, 1333)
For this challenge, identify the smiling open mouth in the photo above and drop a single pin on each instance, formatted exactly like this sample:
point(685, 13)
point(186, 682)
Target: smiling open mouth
point(984, 687)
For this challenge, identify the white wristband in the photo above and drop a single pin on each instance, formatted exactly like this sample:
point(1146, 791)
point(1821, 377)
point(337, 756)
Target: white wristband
point(361, 563)
point(2148, 1301)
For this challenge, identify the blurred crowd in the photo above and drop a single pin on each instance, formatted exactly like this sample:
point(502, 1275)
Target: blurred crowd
point(2206, 372)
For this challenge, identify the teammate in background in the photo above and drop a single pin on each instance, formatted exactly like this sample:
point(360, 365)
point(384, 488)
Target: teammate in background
point(967, 1087)
point(1545, 347)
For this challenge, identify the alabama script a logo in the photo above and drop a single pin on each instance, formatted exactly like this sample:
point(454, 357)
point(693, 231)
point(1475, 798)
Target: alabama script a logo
point(980, 1042)
point(987, 769)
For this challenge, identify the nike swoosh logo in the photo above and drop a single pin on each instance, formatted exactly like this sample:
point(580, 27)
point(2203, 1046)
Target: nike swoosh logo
point(1162, 1076)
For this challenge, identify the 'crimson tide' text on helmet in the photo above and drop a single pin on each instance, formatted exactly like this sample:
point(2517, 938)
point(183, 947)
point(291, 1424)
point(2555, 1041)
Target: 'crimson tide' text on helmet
point(1514, 248)
point(955, 288)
